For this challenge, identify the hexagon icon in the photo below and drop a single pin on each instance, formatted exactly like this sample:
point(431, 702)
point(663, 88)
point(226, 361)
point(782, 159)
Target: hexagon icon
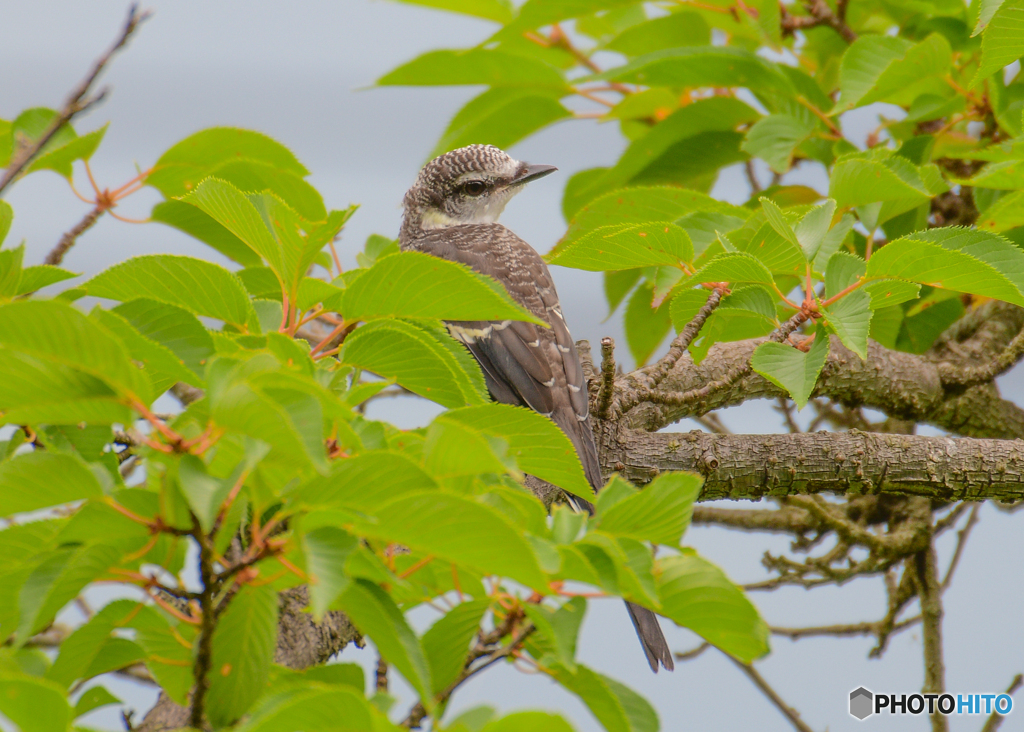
point(861, 703)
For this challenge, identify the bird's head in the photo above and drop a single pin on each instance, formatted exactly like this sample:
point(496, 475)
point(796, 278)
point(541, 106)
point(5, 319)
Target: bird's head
point(470, 185)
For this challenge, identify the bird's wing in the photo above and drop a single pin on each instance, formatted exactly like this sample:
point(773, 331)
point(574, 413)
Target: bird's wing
point(527, 365)
point(523, 363)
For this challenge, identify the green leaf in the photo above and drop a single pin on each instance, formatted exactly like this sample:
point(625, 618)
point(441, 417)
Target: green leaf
point(446, 644)
point(163, 366)
point(1006, 175)
point(57, 580)
point(880, 67)
point(243, 648)
point(59, 159)
point(392, 475)
point(842, 271)
point(525, 722)
point(850, 318)
point(58, 333)
point(169, 652)
point(670, 31)
point(697, 595)
point(500, 11)
point(183, 166)
point(539, 447)
point(460, 530)
point(375, 614)
point(985, 10)
point(617, 285)
point(616, 707)
point(491, 67)
point(40, 276)
point(778, 221)
point(775, 138)
point(34, 705)
point(813, 228)
point(560, 628)
point(535, 13)
point(715, 66)
point(264, 222)
point(454, 449)
point(10, 270)
point(859, 179)
point(886, 293)
point(646, 325)
point(289, 420)
point(172, 327)
point(402, 351)
point(501, 117)
point(685, 304)
point(201, 226)
point(1005, 214)
point(200, 287)
point(662, 152)
point(417, 285)
point(326, 550)
point(992, 249)
point(93, 698)
point(41, 479)
point(747, 312)
point(931, 264)
point(626, 247)
point(735, 268)
point(640, 205)
point(659, 513)
point(1002, 41)
point(792, 369)
point(204, 493)
point(832, 241)
point(6, 217)
point(315, 706)
point(79, 652)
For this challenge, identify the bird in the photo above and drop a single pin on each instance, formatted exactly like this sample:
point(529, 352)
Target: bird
point(451, 212)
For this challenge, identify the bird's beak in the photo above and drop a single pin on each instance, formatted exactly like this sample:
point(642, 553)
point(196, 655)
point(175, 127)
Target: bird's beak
point(532, 172)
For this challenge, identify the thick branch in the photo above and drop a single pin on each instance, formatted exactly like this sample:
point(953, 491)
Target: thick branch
point(850, 463)
point(900, 384)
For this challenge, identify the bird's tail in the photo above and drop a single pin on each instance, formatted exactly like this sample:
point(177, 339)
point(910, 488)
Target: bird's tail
point(651, 638)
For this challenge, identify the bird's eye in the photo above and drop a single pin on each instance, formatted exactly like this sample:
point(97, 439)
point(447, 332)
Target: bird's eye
point(474, 187)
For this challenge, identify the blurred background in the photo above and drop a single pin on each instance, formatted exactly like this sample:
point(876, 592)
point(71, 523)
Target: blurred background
point(303, 73)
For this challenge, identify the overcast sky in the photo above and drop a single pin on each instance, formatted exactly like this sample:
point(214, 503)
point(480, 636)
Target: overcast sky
point(300, 73)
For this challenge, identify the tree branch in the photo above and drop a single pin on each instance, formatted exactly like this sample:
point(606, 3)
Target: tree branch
point(787, 711)
point(77, 102)
point(996, 719)
point(56, 255)
point(842, 463)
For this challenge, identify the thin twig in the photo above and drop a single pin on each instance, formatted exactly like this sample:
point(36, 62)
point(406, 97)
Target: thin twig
point(996, 719)
point(964, 376)
point(731, 377)
point(850, 629)
point(77, 102)
point(961, 540)
point(607, 390)
point(692, 653)
point(787, 711)
point(755, 184)
point(56, 255)
point(675, 352)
